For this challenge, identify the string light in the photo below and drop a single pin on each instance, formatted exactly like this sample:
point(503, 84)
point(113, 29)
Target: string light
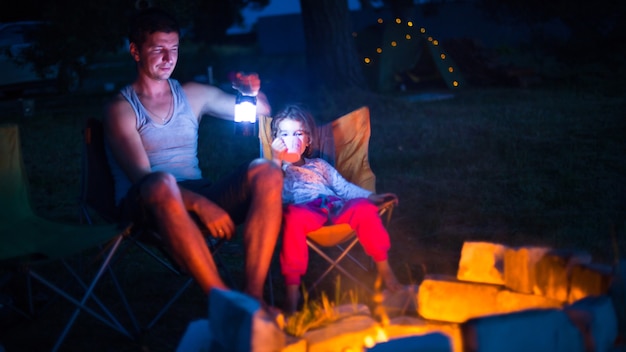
point(396, 43)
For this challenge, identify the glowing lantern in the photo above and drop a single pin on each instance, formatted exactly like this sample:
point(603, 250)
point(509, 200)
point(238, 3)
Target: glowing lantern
point(245, 108)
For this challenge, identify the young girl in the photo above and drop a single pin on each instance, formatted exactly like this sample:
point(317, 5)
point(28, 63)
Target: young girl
point(315, 194)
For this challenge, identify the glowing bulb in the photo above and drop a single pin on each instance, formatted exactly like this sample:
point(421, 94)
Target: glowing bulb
point(379, 50)
point(410, 24)
point(430, 39)
point(423, 30)
point(398, 21)
point(435, 42)
point(455, 83)
point(450, 69)
point(367, 60)
point(393, 43)
point(408, 37)
point(380, 20)
point(442, 56)
point(245, 111)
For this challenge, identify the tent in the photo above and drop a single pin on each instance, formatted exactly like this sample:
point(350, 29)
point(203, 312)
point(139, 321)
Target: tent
point(401, 56)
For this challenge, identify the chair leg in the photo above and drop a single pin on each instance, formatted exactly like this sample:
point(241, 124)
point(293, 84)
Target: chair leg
point(214, 246)
point(81, 305)
point(124, 300)
point(355, 260)
point(93, 295)
point(169, 303)
point(334, 264)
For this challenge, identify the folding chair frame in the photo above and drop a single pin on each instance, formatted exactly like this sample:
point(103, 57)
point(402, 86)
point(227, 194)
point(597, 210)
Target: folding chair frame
point(26, 250)
point(111, 321)
point(95, 162)
point(385, 211)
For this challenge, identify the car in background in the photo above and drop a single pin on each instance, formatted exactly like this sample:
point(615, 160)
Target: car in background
point(18, 74)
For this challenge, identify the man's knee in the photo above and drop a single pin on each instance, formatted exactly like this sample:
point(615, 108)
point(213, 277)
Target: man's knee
point(158, 187)
point(264, 173)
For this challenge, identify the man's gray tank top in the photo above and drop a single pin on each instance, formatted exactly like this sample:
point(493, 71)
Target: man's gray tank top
point(171, 147)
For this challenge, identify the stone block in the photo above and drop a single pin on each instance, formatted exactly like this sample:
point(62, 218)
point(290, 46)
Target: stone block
point(349, 334)
point(243, 325)
point(401, 302)
point(509, 301)
point(448, 299)
point(432, 342)
point(445, 298)
point(482, 262)
point(596, 320)
point(548, 330)
point(541, 270)
point(553, 272)
point(294, 344)
point(197, 337)
point(589, 280)
point(551, 277)
point(520, 267)
point(406, 326)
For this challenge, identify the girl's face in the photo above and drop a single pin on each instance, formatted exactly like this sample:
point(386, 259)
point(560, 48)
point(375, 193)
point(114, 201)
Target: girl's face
point(293, 135)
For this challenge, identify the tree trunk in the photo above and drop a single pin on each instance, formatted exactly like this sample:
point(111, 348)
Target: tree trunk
point(331, 53)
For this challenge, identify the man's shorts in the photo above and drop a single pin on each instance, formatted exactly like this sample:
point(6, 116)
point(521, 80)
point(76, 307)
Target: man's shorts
point(232, 193)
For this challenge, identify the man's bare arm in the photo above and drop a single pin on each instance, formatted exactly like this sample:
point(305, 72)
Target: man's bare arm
point(120, 125)
point(210, 100)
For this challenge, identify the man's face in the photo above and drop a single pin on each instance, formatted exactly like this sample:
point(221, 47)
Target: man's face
point(157, 57)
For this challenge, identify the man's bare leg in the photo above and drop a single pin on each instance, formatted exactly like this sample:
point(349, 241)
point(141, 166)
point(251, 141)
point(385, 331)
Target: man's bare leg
point(262, 224)
point(181, 233)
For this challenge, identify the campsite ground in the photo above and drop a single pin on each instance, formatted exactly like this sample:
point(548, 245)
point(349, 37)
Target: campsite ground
point(542, 165)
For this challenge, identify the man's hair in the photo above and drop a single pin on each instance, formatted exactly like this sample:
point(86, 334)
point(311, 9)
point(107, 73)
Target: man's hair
point(298, 113)
point(149, 21)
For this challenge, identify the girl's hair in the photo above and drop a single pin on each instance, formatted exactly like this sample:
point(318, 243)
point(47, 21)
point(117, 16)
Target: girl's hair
point(298, 113)
point(149, 21)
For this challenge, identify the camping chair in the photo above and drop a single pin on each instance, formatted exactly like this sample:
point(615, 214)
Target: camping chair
point(344, 143)
point(29, 242)
point(97, 198)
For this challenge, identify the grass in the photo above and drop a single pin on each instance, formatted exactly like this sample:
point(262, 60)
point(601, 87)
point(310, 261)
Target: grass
point(321, 311)
point(537, 166)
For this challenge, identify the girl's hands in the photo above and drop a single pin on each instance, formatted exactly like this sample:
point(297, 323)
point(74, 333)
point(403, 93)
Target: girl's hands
point(279, 149)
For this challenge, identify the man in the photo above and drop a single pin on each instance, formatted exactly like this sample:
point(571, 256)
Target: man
point(151, 132)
